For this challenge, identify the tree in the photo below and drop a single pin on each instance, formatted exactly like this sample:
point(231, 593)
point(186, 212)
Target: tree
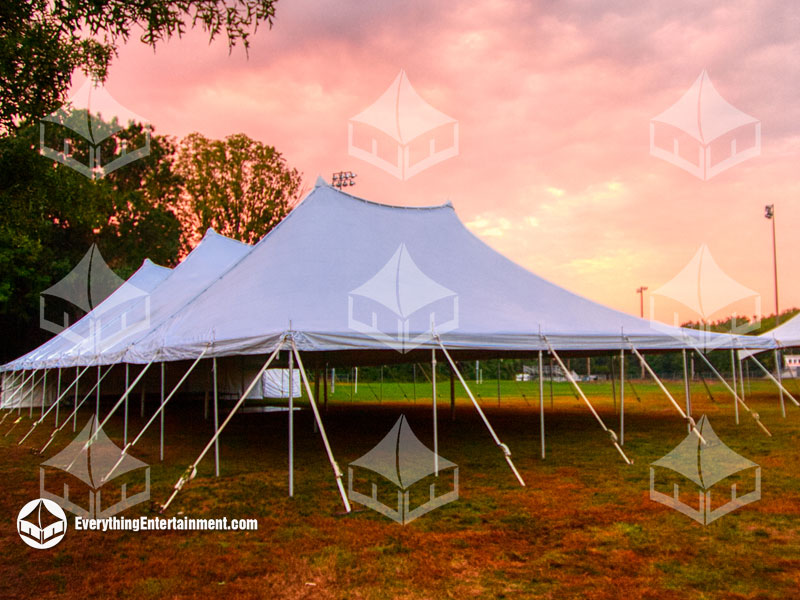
point(42, 42)
point(240, 187)
point(51, 215)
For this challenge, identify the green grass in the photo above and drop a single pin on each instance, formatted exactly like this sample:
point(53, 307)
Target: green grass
point(583, 526)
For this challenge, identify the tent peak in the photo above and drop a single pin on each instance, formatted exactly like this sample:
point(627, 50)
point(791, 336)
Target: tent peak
point(448, 204)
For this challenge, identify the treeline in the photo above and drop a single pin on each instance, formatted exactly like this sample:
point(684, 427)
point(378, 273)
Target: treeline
point(156, 207)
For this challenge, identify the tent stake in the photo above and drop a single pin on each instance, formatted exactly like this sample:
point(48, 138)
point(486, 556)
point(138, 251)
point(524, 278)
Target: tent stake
point(501, 445)
point(574, 383)
point(191, 471)
point(541, 403)
point(649, 369)
point(732, 391)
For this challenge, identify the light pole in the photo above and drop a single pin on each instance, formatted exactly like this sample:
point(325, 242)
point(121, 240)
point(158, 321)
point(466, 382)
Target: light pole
point(769, 213)
point(640, 290)
point(344, 179)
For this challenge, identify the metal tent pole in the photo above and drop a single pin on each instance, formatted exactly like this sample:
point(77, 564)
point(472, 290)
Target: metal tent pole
point(291, 425)
point(732, 391)
point(780, 387)
point(733, 373)
point(44, 389)
point(687, 418)
point(541, 403)
point(125, 410)
point(501, 445)
point(435, 420)
point(58, 394)
point(191, 471)
point(74, 414)
point(161, 437)
point(574, 383)
point(336, 471)
point(686, 387)
point(155, 414)
point(741, 375)
point(622, 397)
point(216, 418)
point(775, 381)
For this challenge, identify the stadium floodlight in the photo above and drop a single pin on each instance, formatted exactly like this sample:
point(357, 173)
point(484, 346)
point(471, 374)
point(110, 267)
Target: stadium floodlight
point(769, 213)
point(344, 179)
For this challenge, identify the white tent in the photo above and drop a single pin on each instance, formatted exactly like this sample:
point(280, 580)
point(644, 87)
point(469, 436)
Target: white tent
point(142, 282)
point(345, 274)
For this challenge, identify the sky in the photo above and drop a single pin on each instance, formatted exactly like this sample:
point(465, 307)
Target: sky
point(553, 101)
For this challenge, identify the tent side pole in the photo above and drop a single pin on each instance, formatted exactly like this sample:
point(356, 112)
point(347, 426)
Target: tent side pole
point(30, 394)
point(216, 417)
point(435, 420)
point(686, 387)
point(541, 403)
point(646, 366)
point(733, 375)
point(124, 398)
point(775, 381)
point(574, 383)
point(191, 471)
point(780, 387)
point(291, 424)
point(613, 384)
point(501, 445)
point(741, 374)
point(155, 414)
point(74, 414)
point(732, 391)
point(161, 436)
point(125, 410)
point(58, 394)
point(336, 471)
point(452, 396)
point(20, 388)
point(622, 397)
point(44, 390)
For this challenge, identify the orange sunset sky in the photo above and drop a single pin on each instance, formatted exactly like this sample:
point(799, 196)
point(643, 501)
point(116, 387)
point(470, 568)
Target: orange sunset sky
point(553, 101)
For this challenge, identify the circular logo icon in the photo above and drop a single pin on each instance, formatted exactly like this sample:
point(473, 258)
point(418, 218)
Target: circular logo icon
point(41, 523)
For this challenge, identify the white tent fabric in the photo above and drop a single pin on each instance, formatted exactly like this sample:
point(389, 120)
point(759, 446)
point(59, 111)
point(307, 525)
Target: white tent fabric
point(275, 383)
point(785, 335)
point(344, 273)
point(142, 282)
point(212, 257)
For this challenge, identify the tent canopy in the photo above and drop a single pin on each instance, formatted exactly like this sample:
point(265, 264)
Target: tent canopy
point(346, 274)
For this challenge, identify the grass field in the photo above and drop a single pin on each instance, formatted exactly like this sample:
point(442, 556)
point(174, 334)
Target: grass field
point(583, 527)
